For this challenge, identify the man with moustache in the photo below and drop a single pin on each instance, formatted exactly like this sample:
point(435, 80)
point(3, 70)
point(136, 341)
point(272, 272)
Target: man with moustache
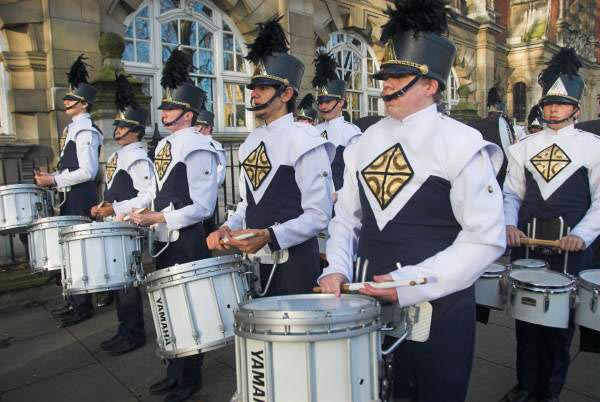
point(420, 199)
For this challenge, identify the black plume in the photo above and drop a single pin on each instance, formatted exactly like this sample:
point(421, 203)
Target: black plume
point(270, 39)
point(493, 97)
point(306, 102)
point(565, 61)
point(78, 73)
point(176, 70)
point(417, 16)
point(124, 95)
point(534, 113)
point(325, 69)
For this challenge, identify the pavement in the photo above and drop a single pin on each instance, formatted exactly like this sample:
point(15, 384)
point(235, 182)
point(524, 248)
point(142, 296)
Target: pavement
point(39, 361)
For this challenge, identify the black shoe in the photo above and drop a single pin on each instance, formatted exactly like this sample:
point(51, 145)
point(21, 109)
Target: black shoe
point(124, 345)
point(180, 394)
point(77, 317)
point(104, 299)
point(164, 385)
point(66, 309)
point(517, 394)
point(104, 345)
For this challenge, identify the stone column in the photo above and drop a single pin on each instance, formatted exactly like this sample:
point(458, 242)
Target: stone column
point(302, 35)
point(484, 75)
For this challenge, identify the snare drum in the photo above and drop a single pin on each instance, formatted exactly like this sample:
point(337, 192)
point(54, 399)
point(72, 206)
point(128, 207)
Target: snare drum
point(529, 263)
point(44, 250)
point(100, 256)
point(193, 304)
point(541, 297)
point(304, 348)
point(21, 205)
point(490, 288)
point(588, 289)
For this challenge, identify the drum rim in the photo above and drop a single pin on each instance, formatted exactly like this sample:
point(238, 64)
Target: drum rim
point(341, 333)
point(56, 219)
point(194, 350)
point(96, 289)
point(14, 229)
point(100, 226)
point(22, 186)
point(187, 266)
point(585, 283)
point(546, 265)
point(72, 233)
point(539, 288)
point(166, 283)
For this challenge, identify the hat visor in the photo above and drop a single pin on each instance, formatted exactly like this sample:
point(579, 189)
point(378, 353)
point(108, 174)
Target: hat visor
point(327, 98)
point(72, 97)
point(263, 81)
point(170, 106)
point(128, 124)
point(394, 70)
point(558, 100)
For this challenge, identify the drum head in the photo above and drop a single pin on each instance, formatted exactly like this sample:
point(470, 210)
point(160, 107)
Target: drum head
point(529, 263)
point(541, 278)
point(306, 303)
point(495, 268)
point(591, 276)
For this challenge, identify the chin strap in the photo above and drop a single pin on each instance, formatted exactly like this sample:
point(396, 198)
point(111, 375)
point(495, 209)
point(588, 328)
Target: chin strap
point(330, 110)
point(558, 121)
point(170, 123)
point(279, 90)
point(402, 91)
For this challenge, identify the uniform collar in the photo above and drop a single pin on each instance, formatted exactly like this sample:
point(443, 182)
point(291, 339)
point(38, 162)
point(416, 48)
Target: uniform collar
point(565, 130)
point(133, 145)
point(423, 113)
point(81, 117)
point(280, 122)
point(337, 120)
point(184, 131)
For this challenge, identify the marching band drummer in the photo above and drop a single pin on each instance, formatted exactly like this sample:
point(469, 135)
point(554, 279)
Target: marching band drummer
point(205, 125)
point(331, 99)
point(285, 185)
point(553, 176)
point(78, 167)
point(186, 173)
point(129, 186)
point(420, 199)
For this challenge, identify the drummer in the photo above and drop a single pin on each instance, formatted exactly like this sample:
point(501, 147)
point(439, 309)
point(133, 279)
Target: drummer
point(285, 185)
point(78, 167)
point(420, 199)
point(129, 186)
point(186, 172)
point(205, 125)
point(551, 175)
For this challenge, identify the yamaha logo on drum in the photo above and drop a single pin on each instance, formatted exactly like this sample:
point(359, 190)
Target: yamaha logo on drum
point(162, 321)
point(259, 393)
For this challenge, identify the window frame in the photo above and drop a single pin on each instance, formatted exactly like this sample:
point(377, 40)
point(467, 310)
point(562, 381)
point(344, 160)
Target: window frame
point(6, 117)
point(219, 77)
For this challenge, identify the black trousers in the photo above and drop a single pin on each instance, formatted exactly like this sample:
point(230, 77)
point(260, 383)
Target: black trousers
point(130, 312)
point(191, 246)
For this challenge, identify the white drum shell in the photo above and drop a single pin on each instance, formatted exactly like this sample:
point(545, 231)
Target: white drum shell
point(100, 256)
point(20, 206)
point(587, 313)
point(304, 363)
point(193, 304)
point(490, 290)
point(538, 304)
point(45, 253)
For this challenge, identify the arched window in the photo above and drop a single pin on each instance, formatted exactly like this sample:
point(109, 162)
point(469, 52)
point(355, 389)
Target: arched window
point(6, 127)
point(158, 27)
point(520, 101)
point(356, 63)
point(450, 95)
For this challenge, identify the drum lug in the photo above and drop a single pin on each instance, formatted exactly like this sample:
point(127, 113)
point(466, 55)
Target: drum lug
point(574, 299)
point(84, 279)
point(513, 295)
point(546, 301)
point(196, 337)
point(594, 301)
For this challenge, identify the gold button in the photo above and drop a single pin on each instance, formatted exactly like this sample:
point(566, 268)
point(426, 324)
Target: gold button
point(490, 189)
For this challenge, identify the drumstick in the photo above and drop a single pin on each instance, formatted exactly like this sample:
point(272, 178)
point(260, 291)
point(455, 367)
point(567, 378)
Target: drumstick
point(100, 205)
point(353, 287)
point(244, 236)
point(526, 241)
point(138, 211)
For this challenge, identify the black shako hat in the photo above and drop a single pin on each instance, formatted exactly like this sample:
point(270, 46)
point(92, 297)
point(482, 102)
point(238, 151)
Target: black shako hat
point(560, 81)
point(305, 108)
point(414, 43)
point(534, 120)
point(494, 102)
point(273, 66)
point(326, 82)
point(179, 90)
point(206, 117)
point(129, 112)
point(79, 88)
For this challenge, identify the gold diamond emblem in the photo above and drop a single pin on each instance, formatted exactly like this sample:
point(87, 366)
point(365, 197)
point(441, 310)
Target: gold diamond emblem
point(388, 174)
point(257, 166)
point(162, 160)
point(61, 140)
point(324, 135)
point(550, 161)
point(111, 166)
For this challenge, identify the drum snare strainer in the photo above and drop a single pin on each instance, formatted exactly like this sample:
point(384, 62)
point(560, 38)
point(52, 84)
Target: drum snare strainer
point(541, 297)
point(588, 290)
